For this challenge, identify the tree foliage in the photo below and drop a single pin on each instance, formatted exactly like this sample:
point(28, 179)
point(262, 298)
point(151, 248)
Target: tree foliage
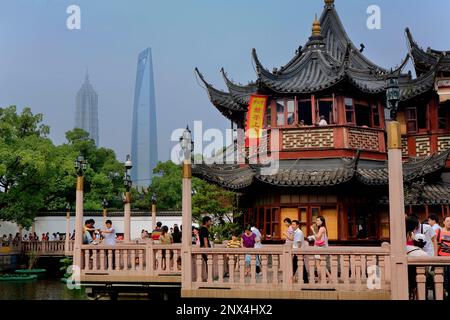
point(37, 175)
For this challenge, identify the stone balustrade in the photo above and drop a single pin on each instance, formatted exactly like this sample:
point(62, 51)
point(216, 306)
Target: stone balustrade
point(43, 248)
point(137, 261)
point(334, 268)
point(419, 266)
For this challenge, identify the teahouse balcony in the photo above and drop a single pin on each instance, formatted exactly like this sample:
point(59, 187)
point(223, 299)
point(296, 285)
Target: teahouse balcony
point(323, 142)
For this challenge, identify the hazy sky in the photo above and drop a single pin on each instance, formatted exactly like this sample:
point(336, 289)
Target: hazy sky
point(42, 63)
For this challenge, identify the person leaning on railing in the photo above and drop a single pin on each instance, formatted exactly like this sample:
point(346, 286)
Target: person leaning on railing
point(443, 239)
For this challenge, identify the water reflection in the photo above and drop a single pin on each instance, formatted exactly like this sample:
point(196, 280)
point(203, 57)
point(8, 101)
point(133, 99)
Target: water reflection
point(41, 289)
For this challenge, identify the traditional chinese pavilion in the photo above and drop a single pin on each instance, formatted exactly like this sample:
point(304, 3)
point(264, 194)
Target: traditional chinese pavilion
point(339, 169)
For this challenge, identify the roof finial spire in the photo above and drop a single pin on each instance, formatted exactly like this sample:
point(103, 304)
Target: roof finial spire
point(316, 29)
point(329, 3)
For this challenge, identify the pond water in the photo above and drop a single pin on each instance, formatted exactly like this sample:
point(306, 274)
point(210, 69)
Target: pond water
point(40, 289)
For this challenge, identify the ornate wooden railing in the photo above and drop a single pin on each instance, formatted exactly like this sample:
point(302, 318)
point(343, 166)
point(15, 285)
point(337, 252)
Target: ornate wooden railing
point(337, 268)
point(355, 271)
point(138, 260)
point(322, 138)
point(421, 264)
point(43, 248)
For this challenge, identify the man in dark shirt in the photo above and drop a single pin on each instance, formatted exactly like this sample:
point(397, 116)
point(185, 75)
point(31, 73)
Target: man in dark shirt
point(205, 243)
point(204, 232)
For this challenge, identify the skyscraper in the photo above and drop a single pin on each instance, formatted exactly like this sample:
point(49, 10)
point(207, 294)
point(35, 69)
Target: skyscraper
point(144, 147)
point(86, 114)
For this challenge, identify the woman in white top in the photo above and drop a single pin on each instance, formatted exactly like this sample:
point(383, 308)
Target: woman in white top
point(109, 234)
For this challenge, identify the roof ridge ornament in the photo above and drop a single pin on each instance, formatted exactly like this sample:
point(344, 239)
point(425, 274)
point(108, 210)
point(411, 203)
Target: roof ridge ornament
point(316, 29)
point(329, 3)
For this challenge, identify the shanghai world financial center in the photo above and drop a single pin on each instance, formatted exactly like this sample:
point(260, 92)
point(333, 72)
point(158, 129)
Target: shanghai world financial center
point(144, 148)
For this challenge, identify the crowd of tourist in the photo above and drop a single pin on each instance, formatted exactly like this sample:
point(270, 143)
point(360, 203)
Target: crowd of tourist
point(8, 240)
point(427, 239)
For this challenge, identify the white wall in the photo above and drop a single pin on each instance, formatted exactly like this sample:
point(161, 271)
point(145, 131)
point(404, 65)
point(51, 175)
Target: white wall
point(58, 224)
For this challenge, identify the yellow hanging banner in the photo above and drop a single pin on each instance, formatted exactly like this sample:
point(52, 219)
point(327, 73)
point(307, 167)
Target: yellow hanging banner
point(255, 118)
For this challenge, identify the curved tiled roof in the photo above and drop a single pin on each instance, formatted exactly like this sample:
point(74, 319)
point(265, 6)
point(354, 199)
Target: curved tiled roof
point(424, 61)
point(231, 177)
point(412, 170)
point(330, 58)
point(240, 93)
point(430, 194)
point(223, 101)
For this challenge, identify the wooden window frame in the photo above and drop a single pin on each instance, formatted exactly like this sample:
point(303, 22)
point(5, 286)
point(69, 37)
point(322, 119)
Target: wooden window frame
point(331, 99)
point(298, 101)
point(446, 107)
point(285, 112)
point(408, 119)
point(353, 122)
point(375, 111)
point(427, 119)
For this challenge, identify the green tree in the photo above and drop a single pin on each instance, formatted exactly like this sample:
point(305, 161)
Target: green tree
point(24, 166)
point(37, 175)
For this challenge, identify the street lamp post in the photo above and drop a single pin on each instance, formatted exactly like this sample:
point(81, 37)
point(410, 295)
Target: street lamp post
point(80, 167)
point(399, 264)
point(153, 211)
point(105, 208)
point(66, 243)
point(127, 206)
point(188, 147)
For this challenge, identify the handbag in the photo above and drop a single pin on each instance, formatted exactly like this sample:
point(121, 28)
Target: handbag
point(319, 243)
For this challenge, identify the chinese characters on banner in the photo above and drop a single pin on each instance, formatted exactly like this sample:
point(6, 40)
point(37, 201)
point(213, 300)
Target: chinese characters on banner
point(255, 119)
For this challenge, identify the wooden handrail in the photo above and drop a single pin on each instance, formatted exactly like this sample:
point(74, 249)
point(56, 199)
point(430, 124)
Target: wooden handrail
point(429, 261)
point(306, 251)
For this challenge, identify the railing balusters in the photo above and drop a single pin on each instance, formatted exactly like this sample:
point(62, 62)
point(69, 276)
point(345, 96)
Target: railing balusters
point(241, 269)
point(220, 264)
point(117, 253)
point(86, 260)
point(252, 269)
point(334, 270)
point(210, 268)
point(323, 269)
point(421, 283)
point(300, 266)
point(345, 271)
point(358, 271)
point(275, 264)
point(312, 269)
point(199, 268)
point(265, 269)
point(110, 260)
point(439, 283)
point(133, 259)
point(231, 262)
point(141, 260)
point(94, 260)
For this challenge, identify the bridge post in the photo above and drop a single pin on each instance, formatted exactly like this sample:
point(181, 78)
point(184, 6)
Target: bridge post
point(186, 238)
point(80, 166)
point(399, 264)
point(66, 243)
point(186, 270)
point(127, 206)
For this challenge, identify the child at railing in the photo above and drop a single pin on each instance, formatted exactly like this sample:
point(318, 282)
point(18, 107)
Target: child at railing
point(248, 240)
point(234, 243)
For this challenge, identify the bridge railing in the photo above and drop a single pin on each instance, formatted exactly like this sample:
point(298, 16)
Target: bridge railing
point(43, 247)
point(434, 267)
point(135, 260)
point(338, 268)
